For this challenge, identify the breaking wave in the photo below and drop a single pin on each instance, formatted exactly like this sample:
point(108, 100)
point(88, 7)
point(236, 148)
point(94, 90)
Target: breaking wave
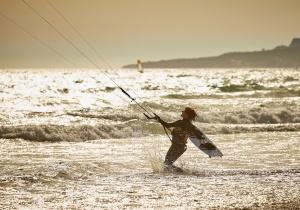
point(268, 113)
point(252, 116)
point(55, 133)
point(91, 124)
point(78, 133)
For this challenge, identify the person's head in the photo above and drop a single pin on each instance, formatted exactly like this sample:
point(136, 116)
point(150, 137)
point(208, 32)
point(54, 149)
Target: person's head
point(188, 114)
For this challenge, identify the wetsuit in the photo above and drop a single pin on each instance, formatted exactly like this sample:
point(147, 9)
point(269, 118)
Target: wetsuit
point(182, 129)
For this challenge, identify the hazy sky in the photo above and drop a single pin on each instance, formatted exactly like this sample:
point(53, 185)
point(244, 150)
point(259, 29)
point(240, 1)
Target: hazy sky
point(126, 30)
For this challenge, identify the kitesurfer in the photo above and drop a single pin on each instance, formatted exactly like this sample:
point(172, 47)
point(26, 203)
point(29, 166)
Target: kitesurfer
point(180, 131)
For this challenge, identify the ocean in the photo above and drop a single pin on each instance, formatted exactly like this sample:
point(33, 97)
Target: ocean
point(69, 139)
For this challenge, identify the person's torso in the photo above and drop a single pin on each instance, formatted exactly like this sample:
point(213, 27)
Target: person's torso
point(181, 133)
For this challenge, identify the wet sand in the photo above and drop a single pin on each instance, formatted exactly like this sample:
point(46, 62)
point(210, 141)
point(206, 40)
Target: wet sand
point(258, 171)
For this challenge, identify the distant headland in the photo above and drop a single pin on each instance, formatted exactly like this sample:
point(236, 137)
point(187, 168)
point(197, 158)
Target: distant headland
point(280, 56)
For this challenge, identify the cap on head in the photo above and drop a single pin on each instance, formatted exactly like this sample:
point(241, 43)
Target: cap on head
point(190, 112)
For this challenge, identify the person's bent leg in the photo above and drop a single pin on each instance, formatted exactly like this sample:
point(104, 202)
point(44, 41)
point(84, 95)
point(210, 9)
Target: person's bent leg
point(175, 151)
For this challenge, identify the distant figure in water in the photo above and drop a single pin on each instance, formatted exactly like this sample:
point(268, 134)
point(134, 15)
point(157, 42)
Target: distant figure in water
point(180, 131)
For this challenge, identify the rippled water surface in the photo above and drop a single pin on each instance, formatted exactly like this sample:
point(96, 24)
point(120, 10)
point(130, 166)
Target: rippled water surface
point(68, 141)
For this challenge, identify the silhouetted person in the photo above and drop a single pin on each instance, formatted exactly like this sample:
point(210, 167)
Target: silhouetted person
point(181, 130)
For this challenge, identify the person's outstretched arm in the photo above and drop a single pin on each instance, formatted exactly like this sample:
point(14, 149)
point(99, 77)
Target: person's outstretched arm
point(168, 125)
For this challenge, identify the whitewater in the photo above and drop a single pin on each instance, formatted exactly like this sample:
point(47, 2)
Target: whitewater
point(69, 139)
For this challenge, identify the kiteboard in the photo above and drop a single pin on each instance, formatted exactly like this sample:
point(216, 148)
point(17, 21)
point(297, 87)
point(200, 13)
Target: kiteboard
point(205, 145)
